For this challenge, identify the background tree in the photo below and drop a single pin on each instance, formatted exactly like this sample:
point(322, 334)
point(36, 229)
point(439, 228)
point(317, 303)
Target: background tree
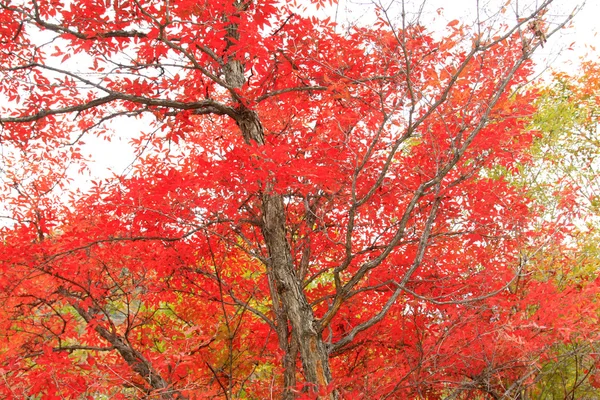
point(563, 180)
point(309, 212)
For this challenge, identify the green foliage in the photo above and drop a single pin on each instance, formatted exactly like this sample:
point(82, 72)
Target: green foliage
point(563, 179)
point(570, 375)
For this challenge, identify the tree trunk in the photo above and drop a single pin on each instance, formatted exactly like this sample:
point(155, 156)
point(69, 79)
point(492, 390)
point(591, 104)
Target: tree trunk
point(315, 359)
point(289, 370)
point(288, 286)
point(280, 266)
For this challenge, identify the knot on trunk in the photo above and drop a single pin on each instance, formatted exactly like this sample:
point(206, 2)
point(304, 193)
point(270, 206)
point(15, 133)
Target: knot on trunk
point(250, 125)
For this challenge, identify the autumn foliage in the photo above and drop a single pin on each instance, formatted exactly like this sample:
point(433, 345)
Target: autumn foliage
point(311, 211)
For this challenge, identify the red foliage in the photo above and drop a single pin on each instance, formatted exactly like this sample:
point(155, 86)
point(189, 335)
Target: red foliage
point(389, 149)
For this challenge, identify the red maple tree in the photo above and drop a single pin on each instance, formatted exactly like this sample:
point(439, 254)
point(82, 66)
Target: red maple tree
point(311, 212)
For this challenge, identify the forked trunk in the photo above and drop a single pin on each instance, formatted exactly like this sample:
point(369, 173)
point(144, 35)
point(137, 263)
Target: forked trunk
point(287, 284)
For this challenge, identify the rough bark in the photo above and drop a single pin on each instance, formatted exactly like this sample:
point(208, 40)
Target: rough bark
point(289, 370)
point(286, 342)
point(287, 286)
point(315, 360)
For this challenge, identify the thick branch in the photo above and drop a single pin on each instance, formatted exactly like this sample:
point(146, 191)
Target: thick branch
point(201, 107)
point(134, 358)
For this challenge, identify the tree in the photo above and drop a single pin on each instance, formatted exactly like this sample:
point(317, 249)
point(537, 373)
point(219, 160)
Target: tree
point(563, 178)
point(310, 212)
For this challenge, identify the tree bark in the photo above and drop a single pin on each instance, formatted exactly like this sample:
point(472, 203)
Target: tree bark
point(289, 370)
point(286, 342)
point(287, 286)
point(315, 359)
